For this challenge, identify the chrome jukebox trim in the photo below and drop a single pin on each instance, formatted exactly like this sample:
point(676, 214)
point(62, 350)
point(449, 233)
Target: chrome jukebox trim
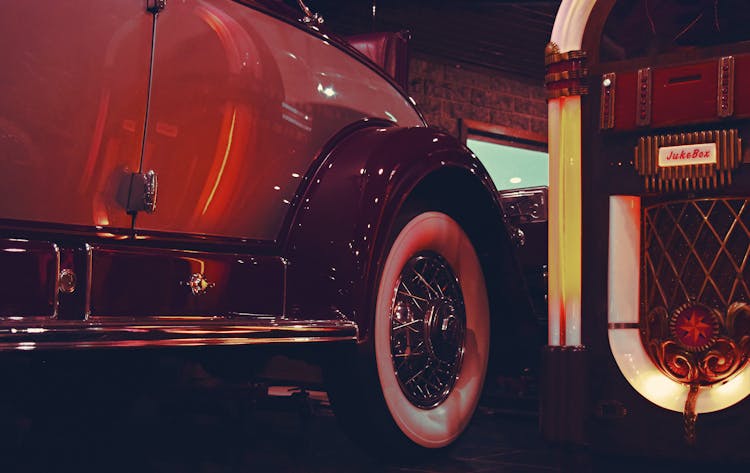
point(622, 325)
point(643, 106)
point(725, 92)
point(688, 177)
point(607, 112)
point(566, 72)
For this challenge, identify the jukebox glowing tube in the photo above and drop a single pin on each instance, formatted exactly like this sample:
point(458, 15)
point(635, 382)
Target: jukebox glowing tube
point(565, 221)
point(564, 124)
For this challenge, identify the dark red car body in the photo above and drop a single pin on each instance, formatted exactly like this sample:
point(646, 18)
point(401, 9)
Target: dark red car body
point(283, 158)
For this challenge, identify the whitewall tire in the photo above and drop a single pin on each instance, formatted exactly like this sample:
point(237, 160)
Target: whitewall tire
point(431, 330)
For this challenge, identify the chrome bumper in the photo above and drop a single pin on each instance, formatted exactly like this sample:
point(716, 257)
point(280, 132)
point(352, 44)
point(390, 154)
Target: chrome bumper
point(117, 332)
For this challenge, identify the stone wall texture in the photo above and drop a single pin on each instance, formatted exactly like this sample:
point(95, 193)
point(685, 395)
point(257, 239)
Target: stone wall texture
point(446, 92)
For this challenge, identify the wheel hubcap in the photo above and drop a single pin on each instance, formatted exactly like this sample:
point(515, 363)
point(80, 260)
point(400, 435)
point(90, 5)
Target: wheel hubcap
point(428, 324)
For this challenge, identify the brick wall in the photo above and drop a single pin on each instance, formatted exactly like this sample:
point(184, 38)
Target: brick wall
point(446, 92)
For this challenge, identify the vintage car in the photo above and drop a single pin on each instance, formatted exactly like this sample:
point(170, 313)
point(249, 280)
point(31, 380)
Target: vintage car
point(301, 199)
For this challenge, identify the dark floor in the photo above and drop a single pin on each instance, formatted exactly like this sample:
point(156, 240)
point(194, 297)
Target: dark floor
point(270, 437)
point(200, 424)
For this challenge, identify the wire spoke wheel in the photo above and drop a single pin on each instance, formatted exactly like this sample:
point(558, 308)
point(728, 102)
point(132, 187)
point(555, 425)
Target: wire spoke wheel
point(428, 323)
point(431, 331)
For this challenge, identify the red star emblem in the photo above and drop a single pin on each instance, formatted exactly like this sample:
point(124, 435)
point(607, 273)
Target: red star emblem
point(694, 327)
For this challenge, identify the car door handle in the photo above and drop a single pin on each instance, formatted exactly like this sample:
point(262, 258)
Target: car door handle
point(143, 189)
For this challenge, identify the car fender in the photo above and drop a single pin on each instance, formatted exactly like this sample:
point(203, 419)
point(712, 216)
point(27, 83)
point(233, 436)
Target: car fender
point(339, 235)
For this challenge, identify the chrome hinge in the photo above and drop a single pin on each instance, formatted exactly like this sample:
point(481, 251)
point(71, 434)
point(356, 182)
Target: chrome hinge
point(143, 187)
point(155, 6)
point(310, 17)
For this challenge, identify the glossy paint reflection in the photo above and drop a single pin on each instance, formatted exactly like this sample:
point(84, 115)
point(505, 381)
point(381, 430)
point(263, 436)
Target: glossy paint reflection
point(72, 106)
point(238, 117)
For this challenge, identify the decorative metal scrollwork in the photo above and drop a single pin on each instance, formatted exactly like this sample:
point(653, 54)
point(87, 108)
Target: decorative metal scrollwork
point(697, 345)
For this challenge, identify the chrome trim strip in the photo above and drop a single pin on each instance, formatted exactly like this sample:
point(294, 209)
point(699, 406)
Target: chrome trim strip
point(622, 325)
point(183, 342)
point(643, 104)
point(725, 92)
point(285, 277)
point(56, 303)
point(88, 275)
point(607, 101)
point(114, 332)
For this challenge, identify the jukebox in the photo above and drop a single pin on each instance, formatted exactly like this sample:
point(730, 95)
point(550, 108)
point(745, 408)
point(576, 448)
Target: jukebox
point(649, 225)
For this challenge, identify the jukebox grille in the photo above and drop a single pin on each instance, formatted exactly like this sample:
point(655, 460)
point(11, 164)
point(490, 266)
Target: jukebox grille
point(696, 251)
point(696, 320)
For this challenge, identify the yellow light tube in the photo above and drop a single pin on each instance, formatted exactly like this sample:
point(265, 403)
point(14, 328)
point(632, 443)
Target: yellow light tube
point(565, 222)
